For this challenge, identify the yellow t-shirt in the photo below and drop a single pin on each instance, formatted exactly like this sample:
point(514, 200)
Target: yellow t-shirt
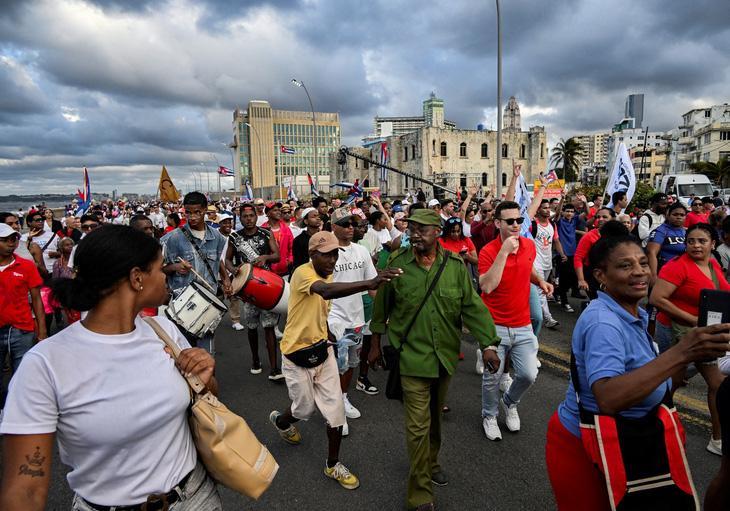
point(306, 323)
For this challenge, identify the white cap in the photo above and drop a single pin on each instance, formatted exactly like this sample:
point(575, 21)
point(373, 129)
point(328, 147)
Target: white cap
point(433, 202)
point(6, 230)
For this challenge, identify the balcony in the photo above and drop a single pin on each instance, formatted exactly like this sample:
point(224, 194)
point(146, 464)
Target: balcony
point(685, 140)
point(684, 157)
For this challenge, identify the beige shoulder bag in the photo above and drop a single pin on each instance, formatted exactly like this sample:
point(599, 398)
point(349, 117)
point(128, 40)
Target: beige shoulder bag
point(226, 445)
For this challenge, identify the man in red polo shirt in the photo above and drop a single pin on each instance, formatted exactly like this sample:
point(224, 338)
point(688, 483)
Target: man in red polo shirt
point(18, 277)
point(505, 272)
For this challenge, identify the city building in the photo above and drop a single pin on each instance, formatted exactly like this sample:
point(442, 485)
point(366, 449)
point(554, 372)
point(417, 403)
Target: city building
point(511, 118)
point(433, 115)
point(650, 163)
point(633, 138)
point(704, 135)
point(260, 157)
point(453, 158)
point(634, 109)
point(433, 112)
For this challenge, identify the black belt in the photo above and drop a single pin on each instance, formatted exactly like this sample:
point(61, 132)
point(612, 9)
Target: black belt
point(155, 502)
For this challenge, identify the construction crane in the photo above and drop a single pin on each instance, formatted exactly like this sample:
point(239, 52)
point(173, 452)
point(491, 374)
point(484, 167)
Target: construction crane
point(344, 152)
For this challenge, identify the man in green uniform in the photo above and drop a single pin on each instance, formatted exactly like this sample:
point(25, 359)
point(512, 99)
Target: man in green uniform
point(431, 353)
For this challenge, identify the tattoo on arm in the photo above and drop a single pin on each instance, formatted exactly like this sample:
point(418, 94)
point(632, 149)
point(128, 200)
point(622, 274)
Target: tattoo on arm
point(34, 465)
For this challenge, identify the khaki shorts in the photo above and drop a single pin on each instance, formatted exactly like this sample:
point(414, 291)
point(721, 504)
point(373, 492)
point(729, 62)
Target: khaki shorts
point(315, 387)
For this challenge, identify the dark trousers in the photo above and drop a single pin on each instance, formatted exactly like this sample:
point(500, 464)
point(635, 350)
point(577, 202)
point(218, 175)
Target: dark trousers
point(568, 279)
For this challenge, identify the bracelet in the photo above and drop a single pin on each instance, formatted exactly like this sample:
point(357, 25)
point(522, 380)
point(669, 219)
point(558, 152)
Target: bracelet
point(491, 348)
point(544, 186)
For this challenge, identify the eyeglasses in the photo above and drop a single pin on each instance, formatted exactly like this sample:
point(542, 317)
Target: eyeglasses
point(89, 227)
point(510, 221)
point(420, 232)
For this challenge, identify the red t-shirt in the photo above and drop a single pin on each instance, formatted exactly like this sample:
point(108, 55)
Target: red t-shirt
point(689, 279)
point(509, 302)
point(695, 218)
point(15, 283)
point(584, 247)
point(463, 245)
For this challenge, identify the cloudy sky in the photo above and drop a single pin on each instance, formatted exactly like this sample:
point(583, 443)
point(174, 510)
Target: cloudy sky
point(125, 86)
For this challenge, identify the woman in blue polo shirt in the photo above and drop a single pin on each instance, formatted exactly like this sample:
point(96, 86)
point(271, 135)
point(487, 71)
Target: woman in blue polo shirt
point(667, 241)
point(618, 368)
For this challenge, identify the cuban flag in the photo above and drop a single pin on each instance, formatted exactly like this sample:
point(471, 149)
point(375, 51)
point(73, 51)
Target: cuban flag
point(84, 196)
point(290, 192)
point(384, 161)
point(311, 185)
point(551, 177)
point(224, 171)
point(287, 150)
point(249, 191)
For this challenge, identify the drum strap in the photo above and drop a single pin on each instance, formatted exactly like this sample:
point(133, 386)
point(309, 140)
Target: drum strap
point(200, 253)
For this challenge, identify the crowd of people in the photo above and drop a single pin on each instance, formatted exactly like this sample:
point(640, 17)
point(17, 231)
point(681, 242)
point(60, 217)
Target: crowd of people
point(353, 272)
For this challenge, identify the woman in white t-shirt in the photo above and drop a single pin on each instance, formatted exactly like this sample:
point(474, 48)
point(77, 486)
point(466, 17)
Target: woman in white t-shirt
point(108, 390)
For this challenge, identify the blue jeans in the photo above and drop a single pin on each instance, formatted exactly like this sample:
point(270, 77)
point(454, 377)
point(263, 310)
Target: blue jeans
point(535, 309)
point(17, 342)
point(663, 336)
point(521, 344)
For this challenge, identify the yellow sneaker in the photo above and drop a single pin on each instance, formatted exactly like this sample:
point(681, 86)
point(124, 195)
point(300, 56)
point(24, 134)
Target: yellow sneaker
point(290, 434)
point(342, 475)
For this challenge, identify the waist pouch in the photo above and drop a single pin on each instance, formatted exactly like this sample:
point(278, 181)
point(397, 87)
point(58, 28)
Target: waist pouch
point(311, 356)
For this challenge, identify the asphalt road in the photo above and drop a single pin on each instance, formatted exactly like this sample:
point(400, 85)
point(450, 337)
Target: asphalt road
point(506, 475)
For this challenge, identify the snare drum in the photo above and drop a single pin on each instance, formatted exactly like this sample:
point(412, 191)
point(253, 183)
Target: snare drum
point(262, 288)
point(196, 310)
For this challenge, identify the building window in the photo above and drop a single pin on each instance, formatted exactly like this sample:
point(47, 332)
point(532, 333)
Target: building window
point(485, 151)
point(462, 182)
point(443, 148)
point(707, 113)
point(505, 150)
point(434, 147)
point(462, 150)
point(725, 135)
point(542, 150)
point(504, 179)
point(484, 177)
point(413, 152)
point(406, 153)
point(707, 138)
point(523, 150)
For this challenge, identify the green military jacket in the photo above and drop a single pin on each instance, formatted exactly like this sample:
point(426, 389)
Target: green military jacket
point(435, 337)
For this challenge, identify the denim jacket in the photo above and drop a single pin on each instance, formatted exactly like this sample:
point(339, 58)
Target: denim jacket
point(175, 244)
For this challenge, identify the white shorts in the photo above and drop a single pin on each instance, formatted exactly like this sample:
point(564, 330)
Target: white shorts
point(315, 387)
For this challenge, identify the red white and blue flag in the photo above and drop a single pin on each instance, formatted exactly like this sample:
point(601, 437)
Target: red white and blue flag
point(384, 161)
point(311, 185)
point(551, 176)
point(249, 191)
point(224, 171)
point(287, 150)
point(84, 196)
point(290, 192)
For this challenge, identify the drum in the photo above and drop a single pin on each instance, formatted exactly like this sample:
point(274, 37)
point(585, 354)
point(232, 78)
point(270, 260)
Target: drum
point(262, 288)
point(196, 310)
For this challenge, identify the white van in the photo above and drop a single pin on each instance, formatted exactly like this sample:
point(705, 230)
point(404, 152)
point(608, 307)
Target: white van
point(684, 185)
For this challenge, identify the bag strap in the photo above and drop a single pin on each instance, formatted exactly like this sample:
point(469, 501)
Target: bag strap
point(47, 244)
point(195, 383)
point(713, 274)
point(404, 340)
point(200, 253)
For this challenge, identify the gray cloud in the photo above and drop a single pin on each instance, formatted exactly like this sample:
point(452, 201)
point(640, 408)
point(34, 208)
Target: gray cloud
point(127, 86)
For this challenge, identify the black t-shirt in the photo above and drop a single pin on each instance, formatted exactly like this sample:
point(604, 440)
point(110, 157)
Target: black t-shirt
point(249, 247)
point(300, 249)
point(723, 412)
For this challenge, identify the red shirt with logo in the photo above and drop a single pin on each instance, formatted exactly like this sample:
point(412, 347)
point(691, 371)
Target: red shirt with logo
point(509, 303)
point(462, 245)
point(15, 282)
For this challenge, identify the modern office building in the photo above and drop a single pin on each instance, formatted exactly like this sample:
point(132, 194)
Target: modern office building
point(433, 115)
point(634, 109)
point(260, 159)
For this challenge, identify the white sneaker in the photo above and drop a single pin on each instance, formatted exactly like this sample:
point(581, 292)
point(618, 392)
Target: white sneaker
point(345, 429)
point(512, 419)
point(278, 334)
point(550, 323)
point(505, 382)
point(715, 446)
point(480, 362)
point(237, 326)
point(350, 411)
point(491, 429)
point(538, 363)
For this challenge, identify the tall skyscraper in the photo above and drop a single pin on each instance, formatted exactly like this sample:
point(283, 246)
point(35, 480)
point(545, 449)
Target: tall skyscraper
point(433, 111)
point(634, 108)
point(511, 119)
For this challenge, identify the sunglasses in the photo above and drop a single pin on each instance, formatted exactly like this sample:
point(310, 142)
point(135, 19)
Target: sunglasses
point(510, 221)
point(87, 227)
point(454, 220)
point(347, 224)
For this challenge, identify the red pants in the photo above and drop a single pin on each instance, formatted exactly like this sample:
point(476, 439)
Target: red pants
point(577, 483)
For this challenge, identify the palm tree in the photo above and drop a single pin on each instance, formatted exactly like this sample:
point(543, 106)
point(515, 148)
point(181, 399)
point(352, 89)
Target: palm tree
point(718, 172)
point(566, 155)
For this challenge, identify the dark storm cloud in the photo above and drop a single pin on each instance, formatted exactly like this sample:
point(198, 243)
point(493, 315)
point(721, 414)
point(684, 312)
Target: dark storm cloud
point(126, 86)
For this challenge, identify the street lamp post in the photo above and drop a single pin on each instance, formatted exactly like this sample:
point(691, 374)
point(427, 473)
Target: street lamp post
point(199, 177)
point(314, 123)
point(195, 181)
point(499, 104)
point(207, 176)
point(261, 168)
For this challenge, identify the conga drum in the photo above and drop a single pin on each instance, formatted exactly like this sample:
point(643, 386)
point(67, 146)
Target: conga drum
point(262, 288)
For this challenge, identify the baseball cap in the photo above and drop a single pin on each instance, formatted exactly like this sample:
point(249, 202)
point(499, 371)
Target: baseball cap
point(224, 216)
point(323, 241)
point(6, 230)
point(271, 205)
point(433, 202)
point(285, 207)
point(342, 215)
point(304, 215)
point(426, 217)
point(399, 215)
point(397, 208)
point(258, 201)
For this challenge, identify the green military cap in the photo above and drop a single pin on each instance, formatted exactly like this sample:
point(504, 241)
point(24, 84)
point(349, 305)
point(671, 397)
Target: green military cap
point(425, 217)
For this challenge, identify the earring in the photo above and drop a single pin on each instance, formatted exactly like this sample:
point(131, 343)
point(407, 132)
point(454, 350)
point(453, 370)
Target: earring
point(602, 287)
point(141, 288)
